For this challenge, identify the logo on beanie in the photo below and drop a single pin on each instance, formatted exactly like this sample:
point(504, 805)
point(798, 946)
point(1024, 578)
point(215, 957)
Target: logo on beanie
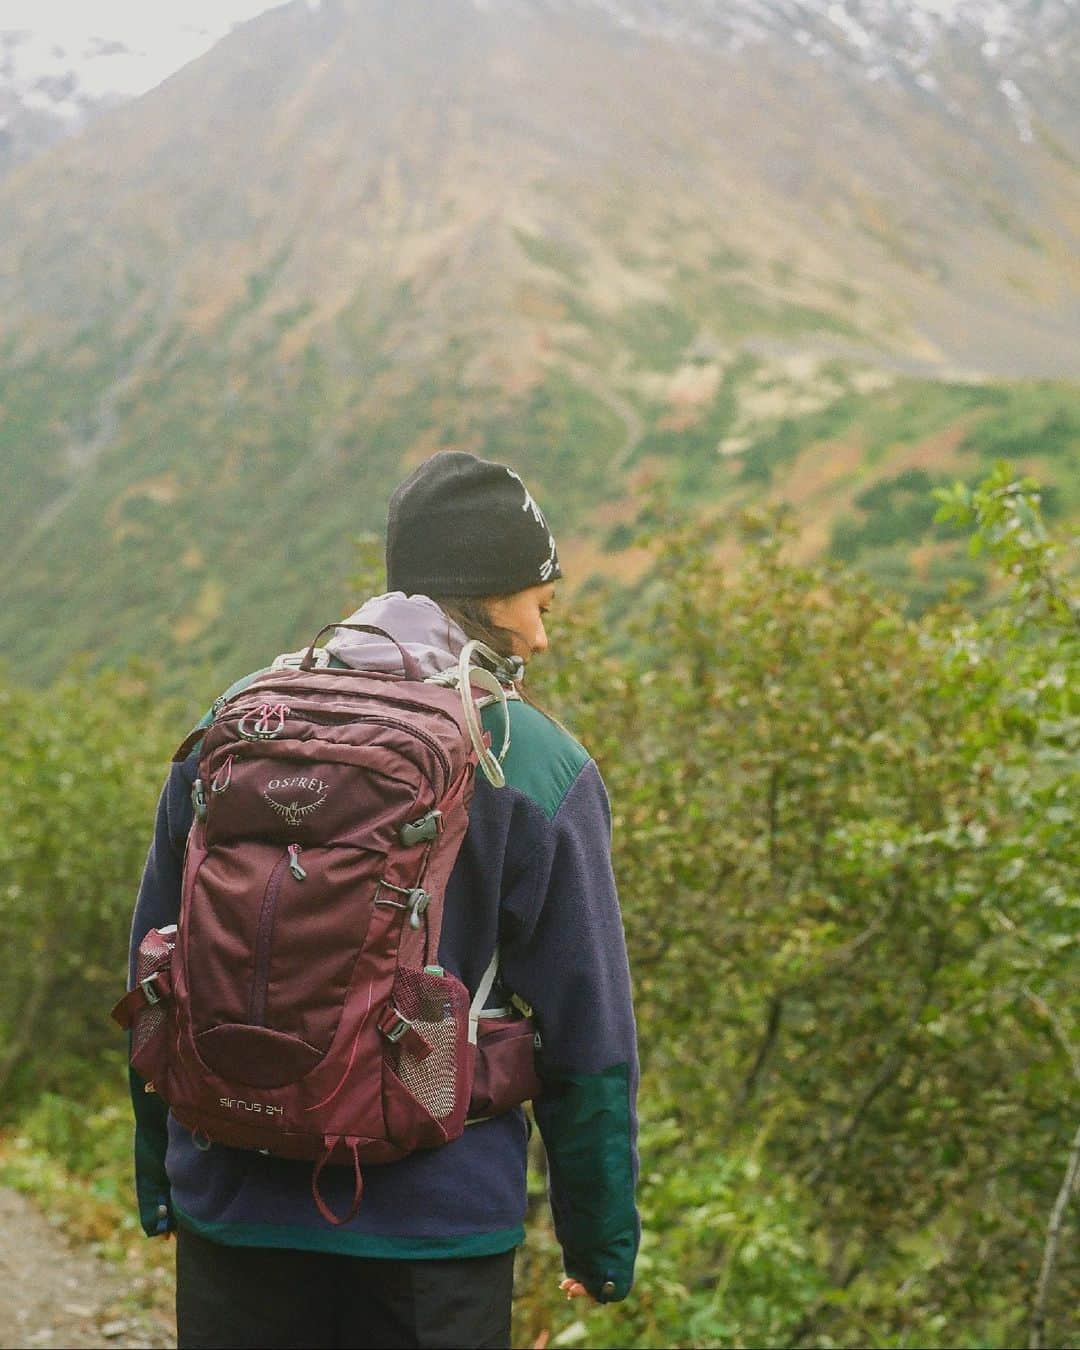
point(551, 562)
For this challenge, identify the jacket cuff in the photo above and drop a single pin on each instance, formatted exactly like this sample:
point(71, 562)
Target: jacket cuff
point(586, 1123)
point(151, 1142)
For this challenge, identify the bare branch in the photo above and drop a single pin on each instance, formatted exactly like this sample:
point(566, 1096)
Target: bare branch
point(772, 1030)
point(1053, 1237)
point(845, 953)
point(1054, 1021)
point(890, 1067)
point(28, 1015)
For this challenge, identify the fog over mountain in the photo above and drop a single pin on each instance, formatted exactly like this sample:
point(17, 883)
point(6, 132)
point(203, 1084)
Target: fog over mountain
point(43, 96)
point(60, 64)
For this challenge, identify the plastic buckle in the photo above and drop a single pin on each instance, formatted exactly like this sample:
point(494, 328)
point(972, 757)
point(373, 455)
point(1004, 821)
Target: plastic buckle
point(421, 831)
point(398, 1028)
point(198, 799)
point(149, 992)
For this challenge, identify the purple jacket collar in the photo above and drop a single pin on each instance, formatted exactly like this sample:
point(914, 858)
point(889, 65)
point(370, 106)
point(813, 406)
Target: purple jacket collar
point(416, 621)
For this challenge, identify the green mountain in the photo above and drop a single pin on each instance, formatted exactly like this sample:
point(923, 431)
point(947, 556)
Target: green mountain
point(617, 253)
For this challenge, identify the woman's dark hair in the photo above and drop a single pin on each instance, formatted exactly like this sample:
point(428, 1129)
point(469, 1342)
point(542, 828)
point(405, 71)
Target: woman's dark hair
point(471, 615)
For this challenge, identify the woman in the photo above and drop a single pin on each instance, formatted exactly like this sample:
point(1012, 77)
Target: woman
point(428, 1259)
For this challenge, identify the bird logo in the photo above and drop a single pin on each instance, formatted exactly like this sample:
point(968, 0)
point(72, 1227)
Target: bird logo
point(296, 810)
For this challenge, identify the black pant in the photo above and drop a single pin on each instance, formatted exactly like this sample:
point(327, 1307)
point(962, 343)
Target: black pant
point(266, 1298)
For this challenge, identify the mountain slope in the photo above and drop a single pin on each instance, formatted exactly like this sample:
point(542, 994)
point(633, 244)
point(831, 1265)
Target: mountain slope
point(305, 125)
point(590, 237)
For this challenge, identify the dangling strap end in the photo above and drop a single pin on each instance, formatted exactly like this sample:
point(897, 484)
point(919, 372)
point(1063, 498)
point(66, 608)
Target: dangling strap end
point(331, 1141)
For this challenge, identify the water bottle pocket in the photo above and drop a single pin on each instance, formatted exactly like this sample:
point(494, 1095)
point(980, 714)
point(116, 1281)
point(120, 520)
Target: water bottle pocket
point(146, 1008)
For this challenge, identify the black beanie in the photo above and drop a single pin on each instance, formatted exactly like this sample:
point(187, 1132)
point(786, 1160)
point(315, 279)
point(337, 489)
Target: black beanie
point(465, 526)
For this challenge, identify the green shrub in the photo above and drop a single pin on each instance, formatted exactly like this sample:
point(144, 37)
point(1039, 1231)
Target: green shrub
point(84, 761)
point(847, 846)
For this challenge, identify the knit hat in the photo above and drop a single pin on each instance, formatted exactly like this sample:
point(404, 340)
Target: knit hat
point(465, 526)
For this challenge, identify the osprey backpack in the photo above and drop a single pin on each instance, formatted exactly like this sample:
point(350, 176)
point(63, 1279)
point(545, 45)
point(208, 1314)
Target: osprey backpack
point(298, 1006)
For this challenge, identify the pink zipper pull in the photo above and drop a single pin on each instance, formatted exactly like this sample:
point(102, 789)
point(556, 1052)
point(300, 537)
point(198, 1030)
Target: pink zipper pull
point(294, 862)
point(263, 730)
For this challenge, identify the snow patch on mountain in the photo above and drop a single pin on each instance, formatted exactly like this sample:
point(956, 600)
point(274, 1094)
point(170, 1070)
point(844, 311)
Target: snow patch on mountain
point(1029, 49)
point(59, 63)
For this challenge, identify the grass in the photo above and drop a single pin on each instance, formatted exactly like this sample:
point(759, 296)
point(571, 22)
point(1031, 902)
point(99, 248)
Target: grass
point(552, 253)
point(656, 335)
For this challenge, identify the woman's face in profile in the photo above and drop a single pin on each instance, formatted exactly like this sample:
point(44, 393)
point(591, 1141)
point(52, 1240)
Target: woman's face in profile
point(522, 614)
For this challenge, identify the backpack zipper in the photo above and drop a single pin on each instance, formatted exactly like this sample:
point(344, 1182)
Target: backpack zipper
point(294, 862)
point(323, 718)
point(291, 861)
point(432, 744)
point(285, 694)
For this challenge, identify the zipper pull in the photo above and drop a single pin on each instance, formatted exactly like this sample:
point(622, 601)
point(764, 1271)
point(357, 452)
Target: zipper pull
point(221, 780)
point(294, 862)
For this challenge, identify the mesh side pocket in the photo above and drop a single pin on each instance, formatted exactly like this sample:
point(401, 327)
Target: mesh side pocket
point(438, 1009)
point(148, 1032)
point(148, 1024)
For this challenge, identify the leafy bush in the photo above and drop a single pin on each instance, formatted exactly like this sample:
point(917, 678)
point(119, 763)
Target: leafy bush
point(848, 873)
point(83, 763)
point(894, 510)
point(847, 848)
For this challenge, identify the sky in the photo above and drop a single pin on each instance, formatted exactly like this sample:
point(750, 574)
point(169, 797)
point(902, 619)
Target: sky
point(159, 36)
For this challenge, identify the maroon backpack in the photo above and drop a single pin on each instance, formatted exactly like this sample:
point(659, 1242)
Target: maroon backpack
point(298, 1008)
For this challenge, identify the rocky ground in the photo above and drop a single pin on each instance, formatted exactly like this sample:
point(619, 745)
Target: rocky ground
point(53, 1294)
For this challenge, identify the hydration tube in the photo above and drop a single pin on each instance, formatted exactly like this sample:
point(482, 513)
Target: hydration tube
point(469, 675)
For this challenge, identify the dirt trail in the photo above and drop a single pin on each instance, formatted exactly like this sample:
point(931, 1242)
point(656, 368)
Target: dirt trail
point(52, 1294)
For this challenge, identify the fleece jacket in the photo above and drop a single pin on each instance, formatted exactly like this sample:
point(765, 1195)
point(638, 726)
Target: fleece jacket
point(534, 875)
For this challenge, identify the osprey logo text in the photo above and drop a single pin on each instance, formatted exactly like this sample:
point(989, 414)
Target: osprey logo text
point(260, 1108)
point(307, 795)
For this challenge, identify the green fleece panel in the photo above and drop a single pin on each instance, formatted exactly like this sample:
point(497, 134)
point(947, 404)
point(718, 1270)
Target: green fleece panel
point(586, 1127)
point(544, 760)
point(356, 1244)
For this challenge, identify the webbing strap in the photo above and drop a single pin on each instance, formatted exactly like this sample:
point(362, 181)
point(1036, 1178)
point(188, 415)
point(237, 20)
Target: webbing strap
point(156, 986)
point(353, 1145)
point(481, 995)
point(416, 946)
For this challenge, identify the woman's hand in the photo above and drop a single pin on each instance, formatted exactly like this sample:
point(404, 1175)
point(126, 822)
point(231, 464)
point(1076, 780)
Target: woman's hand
point(575, 1289)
